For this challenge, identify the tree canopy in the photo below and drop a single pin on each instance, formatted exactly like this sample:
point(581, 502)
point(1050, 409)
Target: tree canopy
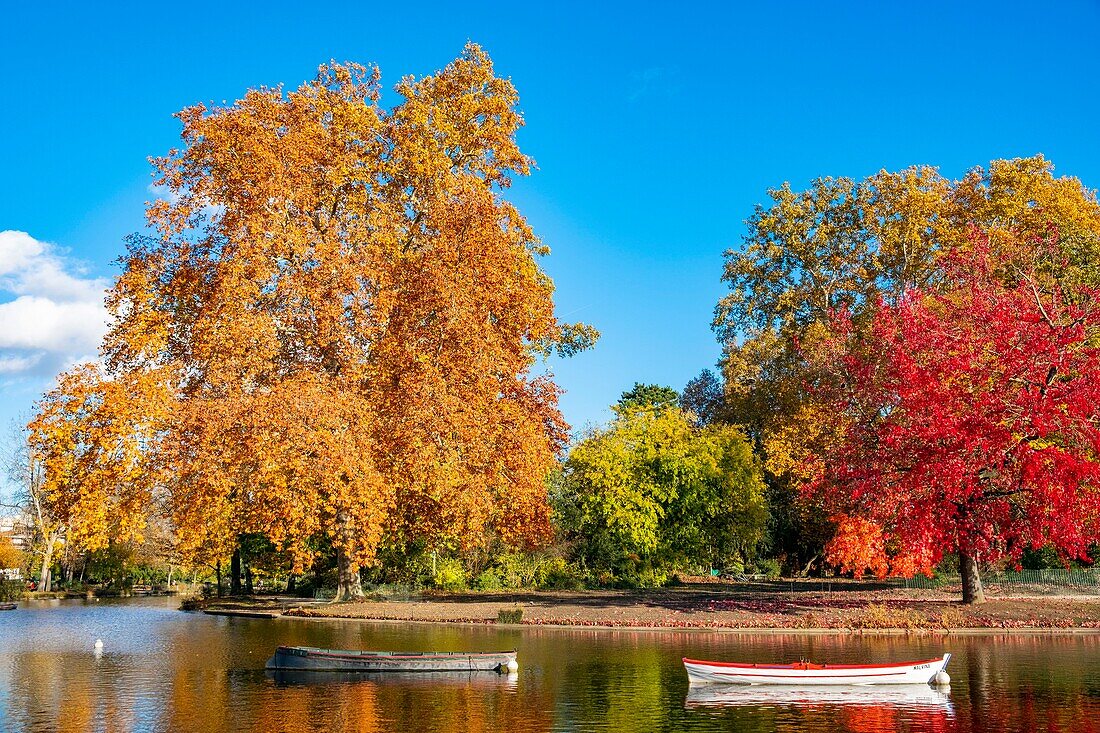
point(652, 492)
point(851, 245)
point(332, 330)
point(648, 396)
point(702, 397)
point(968, 422)
point(10, 555)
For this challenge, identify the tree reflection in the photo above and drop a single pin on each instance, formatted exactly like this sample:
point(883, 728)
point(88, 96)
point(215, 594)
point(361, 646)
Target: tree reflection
point(195, 673)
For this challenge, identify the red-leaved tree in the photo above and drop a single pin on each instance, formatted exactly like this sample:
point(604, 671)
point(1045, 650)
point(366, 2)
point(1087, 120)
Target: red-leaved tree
point(966, 421)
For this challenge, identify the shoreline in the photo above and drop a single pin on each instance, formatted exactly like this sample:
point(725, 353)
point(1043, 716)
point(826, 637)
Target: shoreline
point(732, 630)
point(845, 612)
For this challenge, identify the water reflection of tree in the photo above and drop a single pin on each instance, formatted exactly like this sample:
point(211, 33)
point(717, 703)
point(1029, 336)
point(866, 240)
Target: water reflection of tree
point(207, 676)
point(51, 691)
point(1030, 682)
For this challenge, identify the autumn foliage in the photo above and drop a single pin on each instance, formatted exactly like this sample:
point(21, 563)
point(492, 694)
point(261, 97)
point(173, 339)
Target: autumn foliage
point(10, 555)
point(968, 416)
point(329, 336)
point(330, 332)
point(850, 245)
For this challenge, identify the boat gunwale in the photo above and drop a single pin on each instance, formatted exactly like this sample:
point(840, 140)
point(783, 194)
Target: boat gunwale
point(383, 656)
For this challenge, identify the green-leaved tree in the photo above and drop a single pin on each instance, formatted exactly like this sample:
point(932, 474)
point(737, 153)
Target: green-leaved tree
point(652, 493)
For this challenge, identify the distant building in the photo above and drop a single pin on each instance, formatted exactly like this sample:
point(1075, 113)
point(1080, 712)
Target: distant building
point(18, 532)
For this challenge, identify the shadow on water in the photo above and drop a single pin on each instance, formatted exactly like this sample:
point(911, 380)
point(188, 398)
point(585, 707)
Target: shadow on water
point(880, 696)
point(162, 669)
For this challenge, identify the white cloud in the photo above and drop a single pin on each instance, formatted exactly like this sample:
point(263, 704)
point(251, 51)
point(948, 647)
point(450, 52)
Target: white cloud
point(16, 364)
point(51, 313)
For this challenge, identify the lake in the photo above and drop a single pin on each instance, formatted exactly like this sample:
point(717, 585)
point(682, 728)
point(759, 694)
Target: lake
point(165, 670)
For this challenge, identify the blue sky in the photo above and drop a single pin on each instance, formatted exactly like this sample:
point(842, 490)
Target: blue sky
point(656, 128)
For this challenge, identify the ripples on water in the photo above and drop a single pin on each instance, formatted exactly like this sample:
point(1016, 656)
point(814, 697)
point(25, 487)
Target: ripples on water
point(164, 670)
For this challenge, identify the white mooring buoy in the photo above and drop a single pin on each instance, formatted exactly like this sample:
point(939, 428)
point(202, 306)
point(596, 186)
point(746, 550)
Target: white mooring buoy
point(512, 666)
point(941, 678)
point(98, 646)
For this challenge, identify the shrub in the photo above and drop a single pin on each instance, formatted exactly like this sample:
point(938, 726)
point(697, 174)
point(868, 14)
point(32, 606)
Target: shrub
point(449, 574)
point(769, 568)
point(877, 616)
point(951, 618)
point(515, 570)
point(489, 580)
point(734, 567)
point(10, 590)
point(520, 570)
point(557, 574)
point(510, 616)
point(654, 578)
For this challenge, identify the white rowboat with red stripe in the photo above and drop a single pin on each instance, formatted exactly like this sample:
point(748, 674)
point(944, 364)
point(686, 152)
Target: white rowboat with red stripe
point(807, 673)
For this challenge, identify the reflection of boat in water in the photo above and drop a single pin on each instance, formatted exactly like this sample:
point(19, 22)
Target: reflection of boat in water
point(293, 677)
point(924, 672)
point(340, 660)
point(894, 696)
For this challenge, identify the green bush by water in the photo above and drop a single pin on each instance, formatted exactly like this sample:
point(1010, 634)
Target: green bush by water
point(11, 590)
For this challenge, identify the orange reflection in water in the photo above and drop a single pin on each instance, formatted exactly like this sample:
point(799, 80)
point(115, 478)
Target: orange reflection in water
point(170, 671)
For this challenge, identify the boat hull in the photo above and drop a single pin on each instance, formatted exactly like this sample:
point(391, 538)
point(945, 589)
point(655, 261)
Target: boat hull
point(902, 673)
point(311, 678)
point(335, 660)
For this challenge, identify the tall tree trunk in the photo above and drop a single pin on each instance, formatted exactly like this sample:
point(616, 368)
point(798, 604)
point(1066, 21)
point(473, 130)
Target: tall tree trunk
point(235, 573)
point(218, 570)
point(44, 575)
point(971, 580)
point(348, 585)
point(247, 577)
point(292, 583)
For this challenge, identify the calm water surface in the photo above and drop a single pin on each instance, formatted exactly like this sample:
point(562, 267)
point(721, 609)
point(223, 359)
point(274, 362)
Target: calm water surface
point(165, 670)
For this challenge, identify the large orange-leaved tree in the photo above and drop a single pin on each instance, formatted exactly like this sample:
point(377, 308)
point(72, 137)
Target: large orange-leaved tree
point(336, 317)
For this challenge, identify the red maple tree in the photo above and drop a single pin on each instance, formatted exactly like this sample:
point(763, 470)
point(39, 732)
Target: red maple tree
point(966, 420)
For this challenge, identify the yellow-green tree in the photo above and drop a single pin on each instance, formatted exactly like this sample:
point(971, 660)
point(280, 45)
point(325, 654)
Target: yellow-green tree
point(652, 492)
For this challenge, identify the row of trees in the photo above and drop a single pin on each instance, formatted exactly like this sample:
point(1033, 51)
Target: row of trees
point(915, 360)
point(325, 344)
